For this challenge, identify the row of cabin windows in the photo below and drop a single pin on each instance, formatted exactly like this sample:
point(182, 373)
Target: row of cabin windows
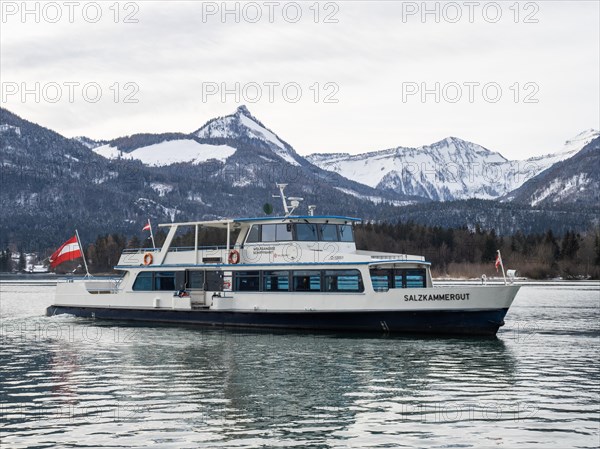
point(179, 280)
point(156, 280)
point(302, 232)
point(298, 281)
point(268, 281)
point(383, 280)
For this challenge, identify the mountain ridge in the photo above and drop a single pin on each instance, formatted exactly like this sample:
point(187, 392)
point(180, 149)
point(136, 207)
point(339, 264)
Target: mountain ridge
point(51, 183)
point(463, 169)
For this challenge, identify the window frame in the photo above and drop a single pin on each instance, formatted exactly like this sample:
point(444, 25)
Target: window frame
point(141, 275)
point(238, 276)
point(316, 233)
point(340, 274)
point(258, 227)
point(279, 226)
point(268, 226)
point(264, 275)
point(330, 226)
point(340, 233)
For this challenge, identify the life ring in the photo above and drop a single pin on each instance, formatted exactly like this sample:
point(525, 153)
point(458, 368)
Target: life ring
point(148, 258)
point(234, 256)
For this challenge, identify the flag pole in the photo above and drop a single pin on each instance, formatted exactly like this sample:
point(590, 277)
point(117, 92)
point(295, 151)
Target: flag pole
point(82, 253)
point(502, 265)
point(151, 235)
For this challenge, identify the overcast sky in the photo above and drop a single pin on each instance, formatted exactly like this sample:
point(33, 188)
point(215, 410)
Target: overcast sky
point(518, 80)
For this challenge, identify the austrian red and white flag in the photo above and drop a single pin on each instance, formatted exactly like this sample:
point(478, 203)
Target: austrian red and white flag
point(147, 227)
point(498, 262)
point(68, 251)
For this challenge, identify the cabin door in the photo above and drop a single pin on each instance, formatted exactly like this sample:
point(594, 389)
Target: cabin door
point(203, 284)
point(196, 281)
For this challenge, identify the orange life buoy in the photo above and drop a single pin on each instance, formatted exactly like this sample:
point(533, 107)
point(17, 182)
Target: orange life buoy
point(234, 256)
point(148, 258)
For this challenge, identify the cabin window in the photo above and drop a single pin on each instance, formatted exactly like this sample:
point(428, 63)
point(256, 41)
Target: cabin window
point(196, 280)
point(246, 281)
point(276, 281)
point(399, 279)
point(346, 233)
point(414, 279)
point(161, 280)
point(343, 281)
point(164, 280)
point(254, 234)
point(381, 280)
point(283, 232)
point(214, 281)
point(143, 281)
point(328, 232)
point(268, 233)
point(306, 232)
point(307, 281)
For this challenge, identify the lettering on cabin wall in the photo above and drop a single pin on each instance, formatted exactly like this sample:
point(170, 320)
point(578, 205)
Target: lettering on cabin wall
point(438, 297)
point(263, 249)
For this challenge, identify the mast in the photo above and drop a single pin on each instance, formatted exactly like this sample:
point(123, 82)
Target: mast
point(82, 253)
point(502, 265)
point(294, 201)
point(151, 234)
point(282, 196)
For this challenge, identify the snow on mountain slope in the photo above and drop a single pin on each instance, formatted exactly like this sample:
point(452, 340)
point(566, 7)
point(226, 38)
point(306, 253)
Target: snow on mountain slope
point(570, 148)
point(7, 128)
point(447, 170)
point(242, 124)
point(170, 152)
point(575, 144)
point(575, 180)
point(86, 141)
point(559, 189)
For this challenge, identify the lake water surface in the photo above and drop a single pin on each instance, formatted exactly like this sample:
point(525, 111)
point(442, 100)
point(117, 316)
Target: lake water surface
point(69, 382)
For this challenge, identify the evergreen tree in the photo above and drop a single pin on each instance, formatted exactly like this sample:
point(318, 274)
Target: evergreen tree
point(22, 262)
point(570, 245)
point(5, 261)
point(550, 240)
point(159, 238)
point(490, 248)
point(134, 242)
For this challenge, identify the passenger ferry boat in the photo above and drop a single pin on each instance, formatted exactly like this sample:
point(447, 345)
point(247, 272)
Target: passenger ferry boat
point(288, 272)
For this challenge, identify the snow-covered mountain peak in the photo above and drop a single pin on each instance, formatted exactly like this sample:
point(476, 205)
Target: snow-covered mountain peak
point(242, 124)
point(455, 146)
point(239, 124)
point(243, 110)
point(451, 168)
point(569, 149)
point(580, 140)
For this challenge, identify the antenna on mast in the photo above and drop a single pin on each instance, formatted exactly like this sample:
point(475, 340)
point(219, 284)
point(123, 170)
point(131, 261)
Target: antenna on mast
point(294, 201)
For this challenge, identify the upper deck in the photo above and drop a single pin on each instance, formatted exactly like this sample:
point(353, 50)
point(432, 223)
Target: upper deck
point(284, 240)
point(266, 241)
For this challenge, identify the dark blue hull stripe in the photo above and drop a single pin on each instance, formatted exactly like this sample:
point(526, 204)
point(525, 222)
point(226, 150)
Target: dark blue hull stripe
point(462, 322)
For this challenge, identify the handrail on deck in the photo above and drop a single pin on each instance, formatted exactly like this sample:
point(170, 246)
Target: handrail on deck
point(139, 250)
point(178, 248)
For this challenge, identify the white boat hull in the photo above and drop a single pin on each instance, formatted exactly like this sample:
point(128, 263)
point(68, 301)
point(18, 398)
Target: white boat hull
point(473, 310)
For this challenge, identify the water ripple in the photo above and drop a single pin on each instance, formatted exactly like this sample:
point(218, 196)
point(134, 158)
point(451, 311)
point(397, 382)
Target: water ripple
point(76, 383)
